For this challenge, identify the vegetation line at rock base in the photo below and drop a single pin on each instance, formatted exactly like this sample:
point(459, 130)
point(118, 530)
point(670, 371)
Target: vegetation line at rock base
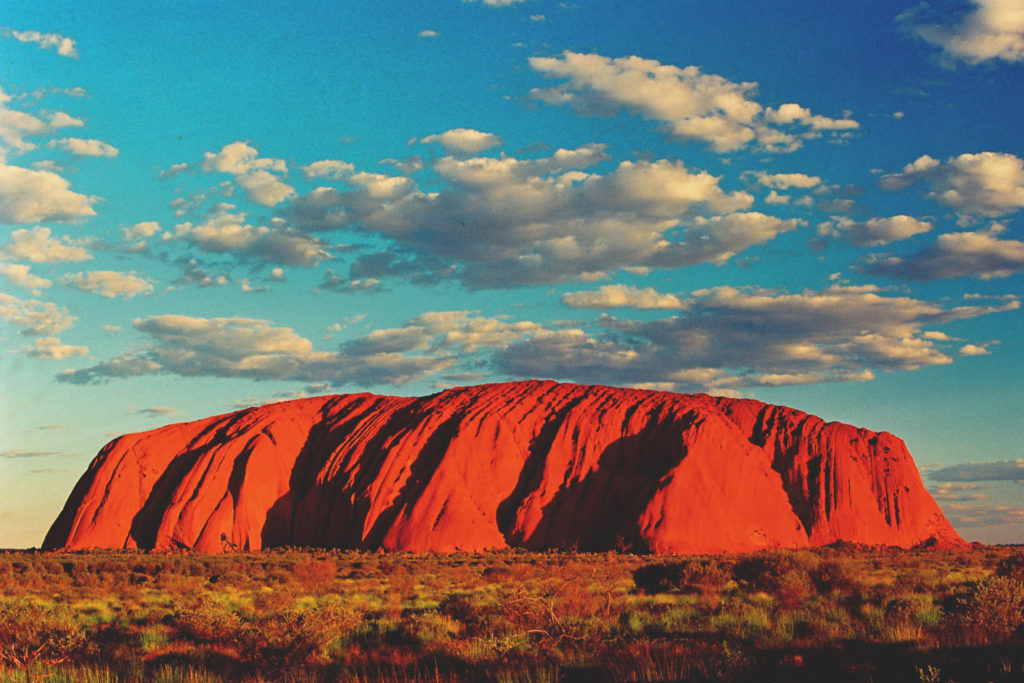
point(838, 614)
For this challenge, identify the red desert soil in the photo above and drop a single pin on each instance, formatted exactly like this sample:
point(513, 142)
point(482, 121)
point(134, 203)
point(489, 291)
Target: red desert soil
point(524, 464)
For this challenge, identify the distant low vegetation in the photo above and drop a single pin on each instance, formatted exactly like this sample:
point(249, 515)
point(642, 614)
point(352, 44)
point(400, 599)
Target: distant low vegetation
point(834, 614)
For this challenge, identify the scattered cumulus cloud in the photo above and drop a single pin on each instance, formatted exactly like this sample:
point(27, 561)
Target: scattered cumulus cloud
point(687, 103)
point(36, 245)
point(230, 233)
point(85, 148)
point(982, 254)
point(328, 168)
point(1004, 470)
point(622, 296)
point(18, 274)
point(988, 183)
point(464, 141)
point(992, 29)
point(972, 350)
point(875, 231)
point(109, 283)
point(726, 338)
point(254, 174)
point(428, 33)
point(36, 318)
point(28, 196)
point(510, 222)
point(785, 181)
point(52, 348)
point(62, 45)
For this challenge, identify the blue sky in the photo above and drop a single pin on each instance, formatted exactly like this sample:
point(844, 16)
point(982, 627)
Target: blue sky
point(205, 206)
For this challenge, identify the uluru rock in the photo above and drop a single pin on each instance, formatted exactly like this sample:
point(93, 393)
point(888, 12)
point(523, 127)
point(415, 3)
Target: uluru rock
point(524, 464)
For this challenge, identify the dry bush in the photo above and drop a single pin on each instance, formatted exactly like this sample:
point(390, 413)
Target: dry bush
point(988, 612)
point(704, 576)
point(1012, 567)
point(786, 575)
point(31, 633)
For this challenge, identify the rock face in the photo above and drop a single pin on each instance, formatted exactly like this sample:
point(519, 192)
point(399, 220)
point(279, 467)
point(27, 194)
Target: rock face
point(525, 464)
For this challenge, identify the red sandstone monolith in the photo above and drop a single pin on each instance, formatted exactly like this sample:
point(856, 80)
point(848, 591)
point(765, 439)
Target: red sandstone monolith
point(523, 464)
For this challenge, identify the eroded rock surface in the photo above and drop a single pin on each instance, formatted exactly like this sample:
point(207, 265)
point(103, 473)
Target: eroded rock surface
point(524, 464)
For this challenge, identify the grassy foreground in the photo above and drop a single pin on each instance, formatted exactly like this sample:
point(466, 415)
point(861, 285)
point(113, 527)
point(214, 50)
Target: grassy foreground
point(837, 614)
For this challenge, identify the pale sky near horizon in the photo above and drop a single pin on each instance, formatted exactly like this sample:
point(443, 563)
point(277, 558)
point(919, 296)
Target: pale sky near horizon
point(209, 205)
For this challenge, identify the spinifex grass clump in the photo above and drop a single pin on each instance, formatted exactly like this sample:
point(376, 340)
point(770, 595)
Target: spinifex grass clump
point(294, 615)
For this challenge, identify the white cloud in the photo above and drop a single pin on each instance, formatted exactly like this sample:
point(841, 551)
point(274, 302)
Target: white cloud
point(140, 231)
point(52, 348)
point(28, 196)
point(497, 3)
point(511, 222)
point(727, 338)
point(38, 318)
point(85, 148)
point(428, 33)
point(775, 198)
point(623, 296)
point(988, 183)
point(265, 188)
point(18, 274)
point(256, 349)
point(689, 104)
point(36, 245)
point(878, 231)
point(962, 254)
point(1003, 470)
point(993, 29)
point(174, 171)
point(972, 350)
point(464, 141)
point(237, 158)
point(108, 283)
point(64, 46)
point(328, 168)
point(229, 233)
point(785, 181)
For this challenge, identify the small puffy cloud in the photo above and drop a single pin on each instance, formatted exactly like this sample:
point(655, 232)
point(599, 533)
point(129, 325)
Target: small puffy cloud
point(157, 411)
point(37, 318)
point(64, 46)
point(1005, 470)
point(332, 282)
point(963, 254)
point(174, 171)
point(53, 349)
point(497, 3)
point(972, 350)
point(428, 33)
point(689, 104)
point(876, 231)
point(265, 188)
point(464, 141)
point(775, 198)
point(36, 245)
point(988, 183)
point(229, 233)
point(28, 196)
point(253, 173)
point(993, 29)
point(85, 148)
point(140, 231)
point(109, 283)
point(785, 181)
point(237, 158)
point(18, 274)
point(623, 296)
point(719, 238)
point(328, 168)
